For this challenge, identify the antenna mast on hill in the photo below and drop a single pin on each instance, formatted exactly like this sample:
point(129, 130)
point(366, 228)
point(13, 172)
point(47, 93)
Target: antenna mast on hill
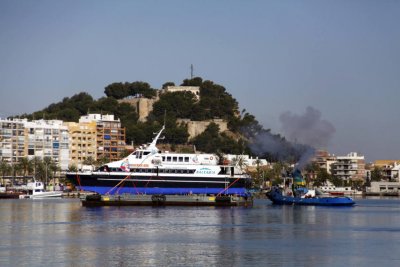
point(191, 71)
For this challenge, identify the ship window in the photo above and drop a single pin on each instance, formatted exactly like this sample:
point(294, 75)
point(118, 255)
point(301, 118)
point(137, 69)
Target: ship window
point(174, 159)
point(168, 158)
point(180, 159)
point(146, 152)
point(163, 158)
point(186, 159)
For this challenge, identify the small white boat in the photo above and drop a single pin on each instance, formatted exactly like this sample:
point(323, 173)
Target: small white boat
point(339, 191)
point(35, 190)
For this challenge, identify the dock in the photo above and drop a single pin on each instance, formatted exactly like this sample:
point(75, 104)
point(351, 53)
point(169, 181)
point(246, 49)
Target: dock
point(165, 200)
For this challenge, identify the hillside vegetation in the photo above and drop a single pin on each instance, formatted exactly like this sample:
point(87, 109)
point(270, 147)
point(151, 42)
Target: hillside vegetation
point(215, 102)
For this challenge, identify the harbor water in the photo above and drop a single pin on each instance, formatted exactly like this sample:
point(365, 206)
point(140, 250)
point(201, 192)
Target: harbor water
point(63, 233)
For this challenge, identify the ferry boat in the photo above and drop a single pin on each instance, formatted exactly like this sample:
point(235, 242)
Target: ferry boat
point(149, 171)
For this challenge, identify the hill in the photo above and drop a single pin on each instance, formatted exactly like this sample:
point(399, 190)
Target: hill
point(244, 135)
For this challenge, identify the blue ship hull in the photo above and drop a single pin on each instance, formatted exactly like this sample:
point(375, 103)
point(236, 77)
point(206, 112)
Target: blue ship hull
point(275, 195)
point(164, 191)
point(160, 185)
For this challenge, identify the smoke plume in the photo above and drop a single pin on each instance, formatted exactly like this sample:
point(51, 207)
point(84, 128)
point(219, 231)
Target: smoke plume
point(303, 133)
point(308, 129)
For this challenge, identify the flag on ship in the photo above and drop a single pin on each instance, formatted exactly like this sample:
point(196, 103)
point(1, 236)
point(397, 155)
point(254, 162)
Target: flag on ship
point(125, 166)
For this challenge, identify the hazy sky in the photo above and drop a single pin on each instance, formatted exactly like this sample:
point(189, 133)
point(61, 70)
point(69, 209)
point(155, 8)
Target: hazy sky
point(337, 59)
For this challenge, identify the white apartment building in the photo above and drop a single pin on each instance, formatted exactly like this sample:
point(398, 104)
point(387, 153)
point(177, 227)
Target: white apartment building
point(47, 138)
point(12, 140)
point(350, 167)
point(391, 171)
point(21, 138)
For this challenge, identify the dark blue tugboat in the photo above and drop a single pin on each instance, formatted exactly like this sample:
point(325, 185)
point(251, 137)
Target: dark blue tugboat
point(300, 195)
point(276, 196)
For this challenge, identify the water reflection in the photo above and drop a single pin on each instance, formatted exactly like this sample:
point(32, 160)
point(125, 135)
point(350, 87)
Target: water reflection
point(62, 233)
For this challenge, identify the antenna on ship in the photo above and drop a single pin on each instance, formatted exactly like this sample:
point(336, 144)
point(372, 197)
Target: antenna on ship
point(165, 116)
point(152, 145)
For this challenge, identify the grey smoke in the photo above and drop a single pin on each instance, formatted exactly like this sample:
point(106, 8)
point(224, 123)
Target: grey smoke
point(308, 128)
point(305, 133)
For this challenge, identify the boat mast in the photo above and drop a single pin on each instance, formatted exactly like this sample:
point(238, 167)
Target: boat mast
point(153, 144)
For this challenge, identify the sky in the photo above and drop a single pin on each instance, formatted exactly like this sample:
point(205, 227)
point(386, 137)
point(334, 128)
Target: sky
point(338, 61)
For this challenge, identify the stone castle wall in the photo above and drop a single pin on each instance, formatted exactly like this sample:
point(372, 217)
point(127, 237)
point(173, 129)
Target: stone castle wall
point(197, 127)
point(143, 106)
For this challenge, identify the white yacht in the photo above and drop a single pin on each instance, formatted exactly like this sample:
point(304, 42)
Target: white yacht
point(35, 190)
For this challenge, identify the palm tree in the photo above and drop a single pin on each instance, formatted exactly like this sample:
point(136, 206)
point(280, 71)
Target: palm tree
point(17, 169)
point(26, 166)
point(239, 161)
point(54, 168)
point(36, 163)
point(5, 169)
point(47, 161)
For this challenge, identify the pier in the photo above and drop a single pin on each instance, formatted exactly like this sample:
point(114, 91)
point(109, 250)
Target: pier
point(165, 200)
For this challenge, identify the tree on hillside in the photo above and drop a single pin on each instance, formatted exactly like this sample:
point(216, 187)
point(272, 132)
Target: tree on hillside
point(68, 114)
point(165, 85)
point(196, 81)
point(229, 145)
point(209, 140)
point(245, 123)
point(69, 109)
point(176, 134)
point(141, 88)
point(117, 90)
point(175, 105)
point(220, 103)
point(104, 105)
point(122, 90)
